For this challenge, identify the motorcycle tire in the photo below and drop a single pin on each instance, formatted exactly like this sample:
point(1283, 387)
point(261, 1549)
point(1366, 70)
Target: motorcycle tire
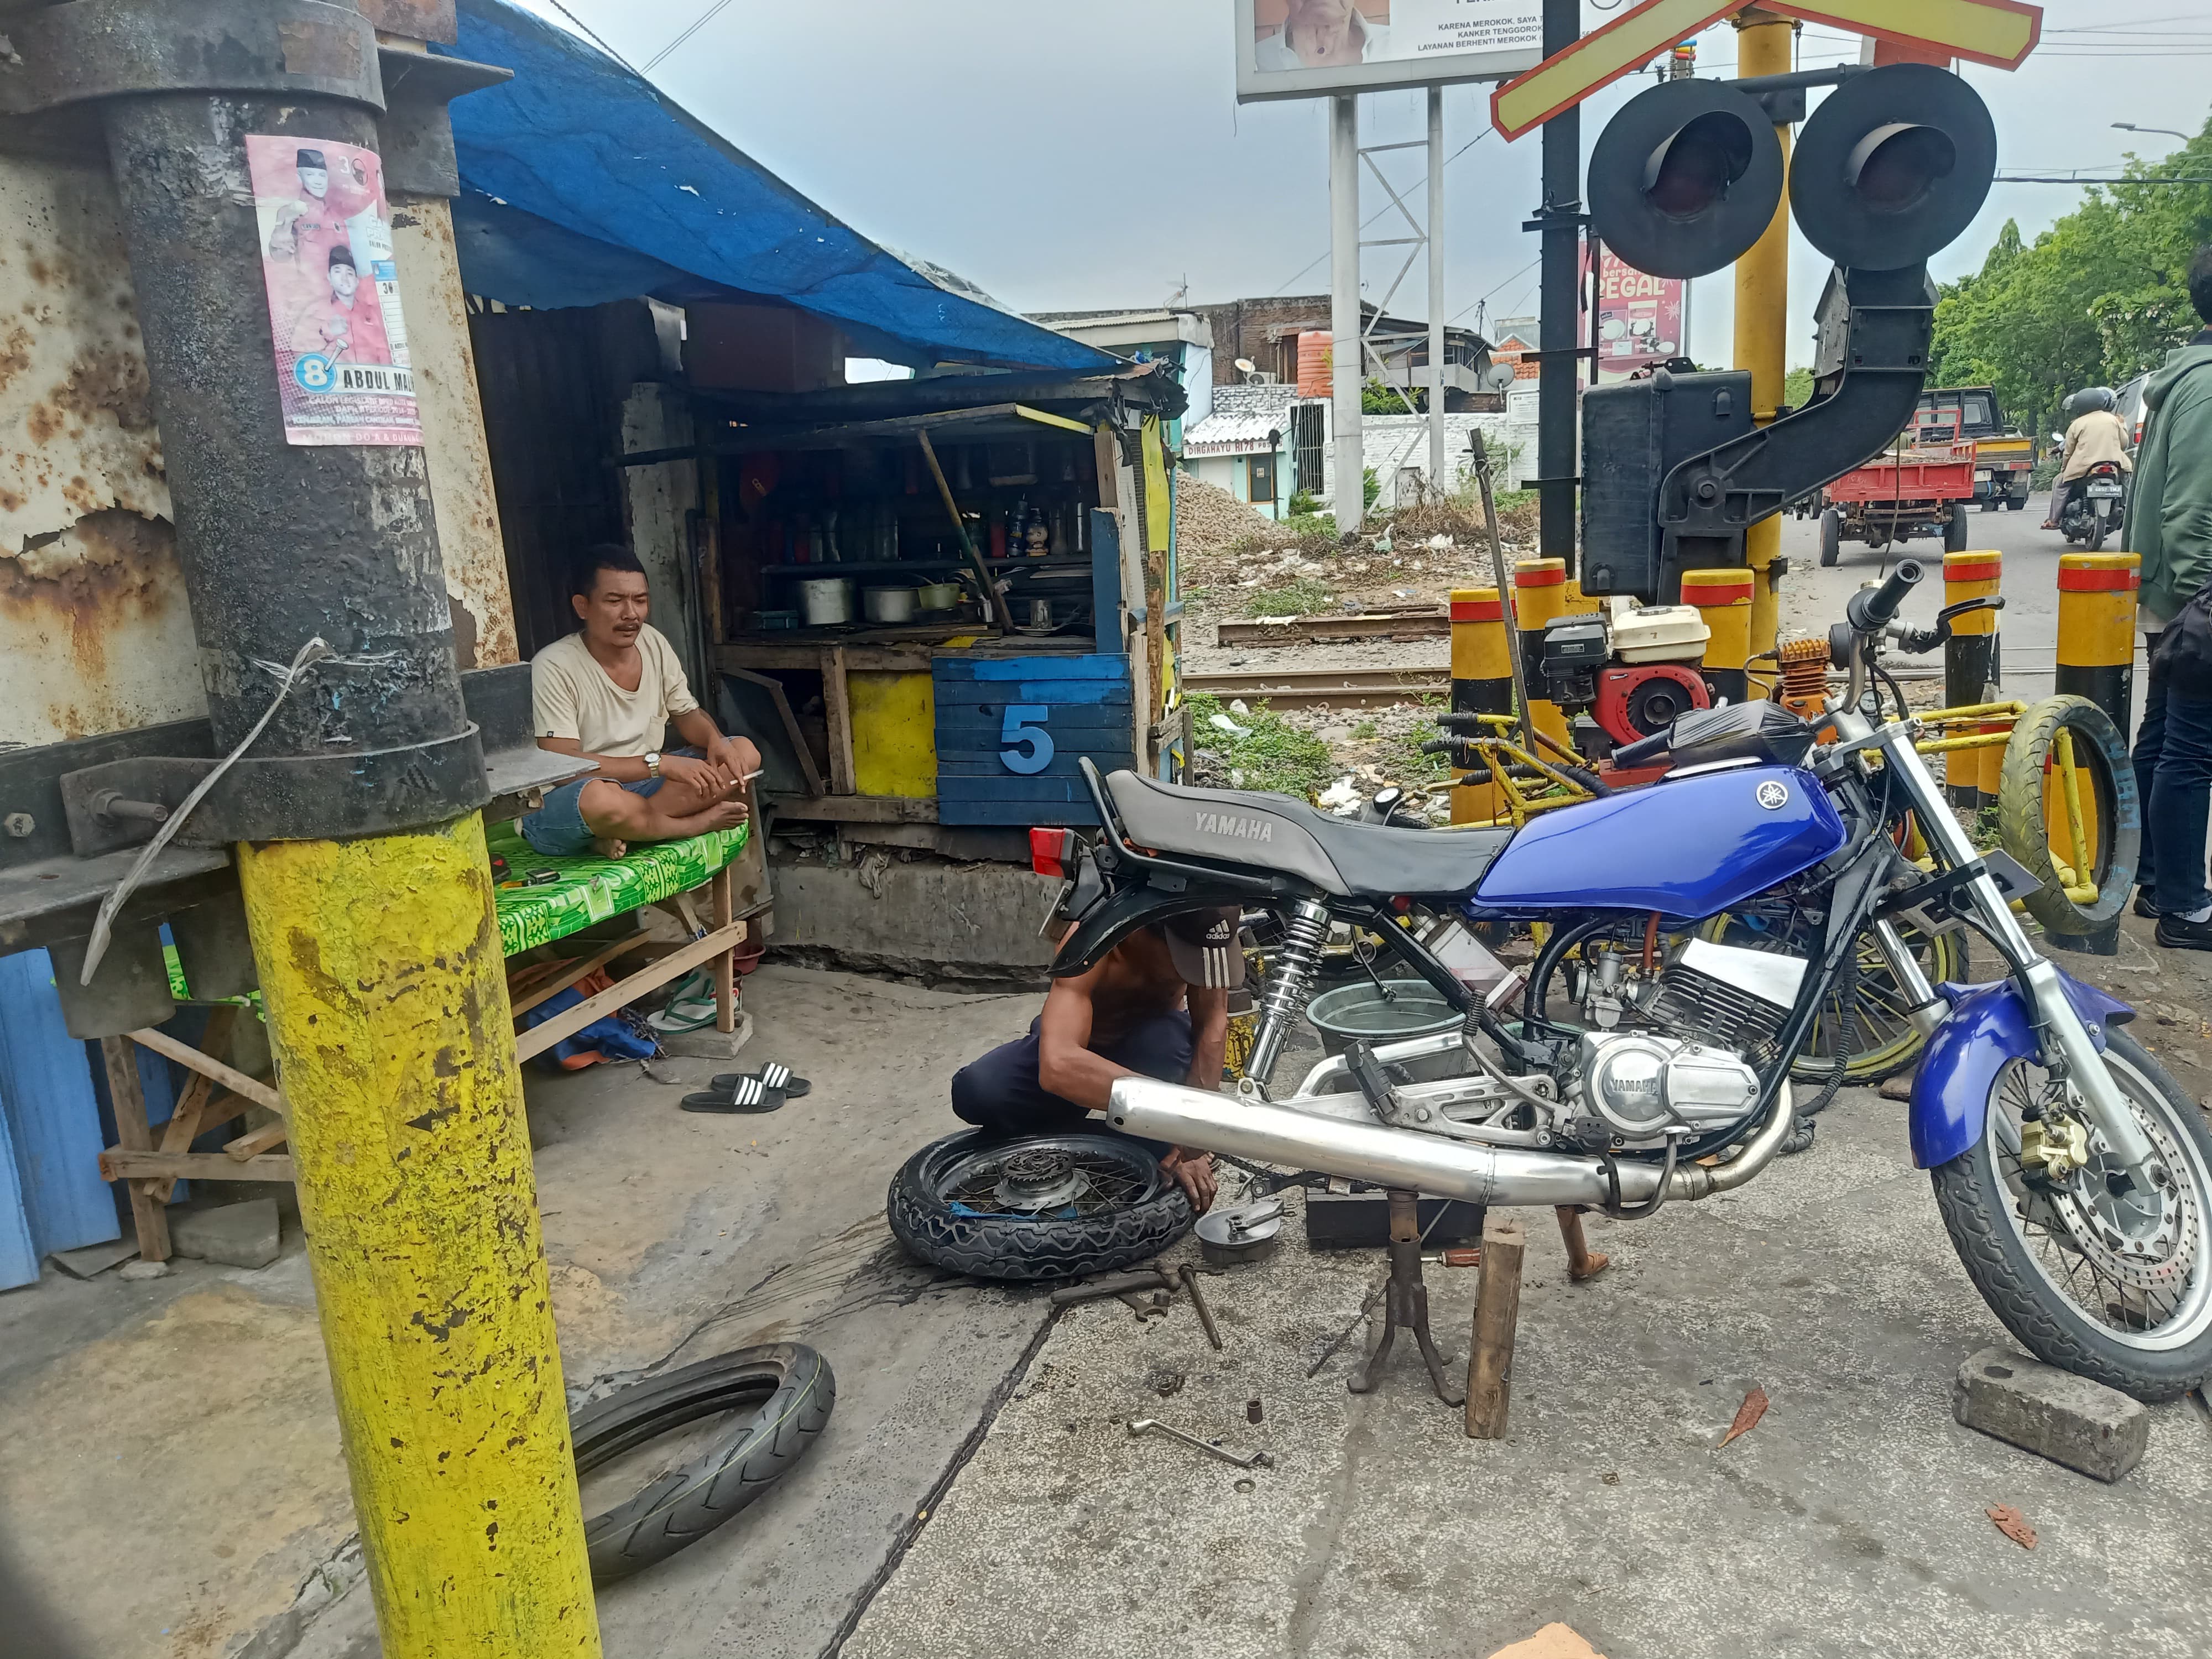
point(1832, 537)
point(1956, 533)
point(1983, 1207)
point(1132, 1212)
point(2032, 821)
point(2098, 525)
point(796, 1391)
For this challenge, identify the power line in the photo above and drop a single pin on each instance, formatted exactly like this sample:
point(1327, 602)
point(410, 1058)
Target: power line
point(698, 23)
point(593, 36)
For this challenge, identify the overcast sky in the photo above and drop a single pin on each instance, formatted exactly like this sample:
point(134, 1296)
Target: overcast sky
point(1070, 155)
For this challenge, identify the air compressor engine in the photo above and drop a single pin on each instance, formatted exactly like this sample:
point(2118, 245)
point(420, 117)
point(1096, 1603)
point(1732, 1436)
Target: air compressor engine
point(1633, 674)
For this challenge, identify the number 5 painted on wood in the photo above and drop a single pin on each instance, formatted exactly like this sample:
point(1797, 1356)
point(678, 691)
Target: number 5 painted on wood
point(1024, 724)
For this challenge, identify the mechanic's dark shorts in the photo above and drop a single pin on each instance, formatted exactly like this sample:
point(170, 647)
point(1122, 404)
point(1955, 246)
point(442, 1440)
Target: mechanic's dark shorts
point(557, 828)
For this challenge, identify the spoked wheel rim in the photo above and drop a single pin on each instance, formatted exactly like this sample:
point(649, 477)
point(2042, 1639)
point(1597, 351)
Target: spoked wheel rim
point(1049, 1178)
point(1884, 1035)
point(2134, 1264)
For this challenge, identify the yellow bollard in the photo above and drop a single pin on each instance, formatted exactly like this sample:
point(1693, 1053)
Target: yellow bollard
point(1481, 683)
point(2097, 629)
point(387, 1010)
point(1539, 593)
point(1723, 599)
point(1969, 661)
point(1762, 326)
point(1579, 604)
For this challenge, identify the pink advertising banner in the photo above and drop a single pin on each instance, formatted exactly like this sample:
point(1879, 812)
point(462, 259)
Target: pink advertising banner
point(1639, 321)
point(327, 260)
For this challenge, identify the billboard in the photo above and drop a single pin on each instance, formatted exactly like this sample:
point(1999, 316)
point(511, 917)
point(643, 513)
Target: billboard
point(1308, 48)
point(1639, 321)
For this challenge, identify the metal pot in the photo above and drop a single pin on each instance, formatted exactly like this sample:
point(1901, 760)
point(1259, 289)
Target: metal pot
point(887, 604)
point(827, 600)
point(938, 596)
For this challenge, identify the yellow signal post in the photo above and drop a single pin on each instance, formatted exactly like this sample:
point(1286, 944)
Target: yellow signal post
point(1969, 665)
point(1723, 599)
point(1762, 320)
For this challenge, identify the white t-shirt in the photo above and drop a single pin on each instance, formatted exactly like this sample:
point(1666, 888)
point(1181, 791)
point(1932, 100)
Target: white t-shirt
point(571, 696)
point(1275, 52)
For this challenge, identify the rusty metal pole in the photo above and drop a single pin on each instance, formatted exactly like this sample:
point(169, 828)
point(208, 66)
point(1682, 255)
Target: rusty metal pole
point(361, 854)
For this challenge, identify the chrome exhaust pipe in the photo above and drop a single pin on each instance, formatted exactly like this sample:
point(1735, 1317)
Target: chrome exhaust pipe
point(1506, 1176)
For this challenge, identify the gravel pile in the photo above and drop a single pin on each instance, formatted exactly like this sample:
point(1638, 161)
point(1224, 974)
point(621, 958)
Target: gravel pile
point(1209, 520)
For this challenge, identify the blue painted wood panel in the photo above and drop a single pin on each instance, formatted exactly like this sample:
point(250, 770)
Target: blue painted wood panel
point(51, 1111)
point(1010, 732)
point(19, 1257)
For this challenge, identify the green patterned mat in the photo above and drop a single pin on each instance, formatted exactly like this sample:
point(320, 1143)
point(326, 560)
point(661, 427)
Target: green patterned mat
point(593, 889)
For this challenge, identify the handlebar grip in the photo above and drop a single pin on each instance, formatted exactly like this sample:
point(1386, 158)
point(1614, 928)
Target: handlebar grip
point(1873, 608)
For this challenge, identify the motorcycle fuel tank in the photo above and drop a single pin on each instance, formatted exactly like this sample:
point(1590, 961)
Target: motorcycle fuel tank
point(1691, 847)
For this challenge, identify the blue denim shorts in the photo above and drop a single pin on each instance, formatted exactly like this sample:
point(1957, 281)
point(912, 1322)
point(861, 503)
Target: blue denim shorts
point(557, 828)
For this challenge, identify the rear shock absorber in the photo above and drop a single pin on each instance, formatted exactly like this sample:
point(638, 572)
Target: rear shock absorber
point(1298, 965)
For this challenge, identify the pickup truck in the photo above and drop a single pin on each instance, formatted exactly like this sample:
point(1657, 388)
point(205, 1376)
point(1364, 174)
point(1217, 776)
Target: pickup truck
point(2002, 458)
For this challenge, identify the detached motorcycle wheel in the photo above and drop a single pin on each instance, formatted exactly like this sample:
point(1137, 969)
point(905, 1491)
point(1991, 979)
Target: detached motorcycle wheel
point(2117, 1286)
point(1035, 1206)
point(2035, 824)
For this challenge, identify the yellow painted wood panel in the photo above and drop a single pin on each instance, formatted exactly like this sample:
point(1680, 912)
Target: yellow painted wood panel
point(894, 734)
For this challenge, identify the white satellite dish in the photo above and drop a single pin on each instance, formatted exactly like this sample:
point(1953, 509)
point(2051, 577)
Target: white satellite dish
point(1498, 377)
point(1246, 366)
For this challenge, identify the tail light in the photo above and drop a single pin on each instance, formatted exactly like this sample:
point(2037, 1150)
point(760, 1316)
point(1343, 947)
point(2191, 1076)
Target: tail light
point(1051, 851)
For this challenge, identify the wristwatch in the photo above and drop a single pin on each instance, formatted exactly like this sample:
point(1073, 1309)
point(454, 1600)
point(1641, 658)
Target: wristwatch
point(653, 765)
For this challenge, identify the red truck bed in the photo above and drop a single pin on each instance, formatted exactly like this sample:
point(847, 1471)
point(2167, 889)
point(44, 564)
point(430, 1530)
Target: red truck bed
point(1930, 473)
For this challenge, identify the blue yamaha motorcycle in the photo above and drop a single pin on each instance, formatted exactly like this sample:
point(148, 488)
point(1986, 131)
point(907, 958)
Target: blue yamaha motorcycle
point(1642, 1062)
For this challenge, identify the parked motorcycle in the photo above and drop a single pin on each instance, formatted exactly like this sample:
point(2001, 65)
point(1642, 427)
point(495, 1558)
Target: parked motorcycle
point(2073, 1173)
point(2096, 506)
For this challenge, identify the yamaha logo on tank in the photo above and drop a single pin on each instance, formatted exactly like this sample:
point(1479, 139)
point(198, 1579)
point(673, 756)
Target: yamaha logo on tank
point(1773, 796)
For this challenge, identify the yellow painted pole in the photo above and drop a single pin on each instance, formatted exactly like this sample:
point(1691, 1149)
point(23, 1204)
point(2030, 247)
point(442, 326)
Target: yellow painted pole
point(1481, 683)
point(1723, 599)
point(1539, 593)
point(386, 995)
point(1971, 780)
point(1762, 324)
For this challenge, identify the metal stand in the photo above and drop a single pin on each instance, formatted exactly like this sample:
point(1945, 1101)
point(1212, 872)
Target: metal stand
point(1407, 1302)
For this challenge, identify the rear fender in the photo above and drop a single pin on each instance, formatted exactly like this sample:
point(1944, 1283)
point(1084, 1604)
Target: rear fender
point(1988, 1026)
point(1123, 911)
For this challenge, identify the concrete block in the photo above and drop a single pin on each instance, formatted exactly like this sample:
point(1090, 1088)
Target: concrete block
point(243, 1235)
point(135, 1271)
point(708, 1043)
point(2053, 1413)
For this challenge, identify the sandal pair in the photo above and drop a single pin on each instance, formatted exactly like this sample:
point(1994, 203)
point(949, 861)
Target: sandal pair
point(765, 1091)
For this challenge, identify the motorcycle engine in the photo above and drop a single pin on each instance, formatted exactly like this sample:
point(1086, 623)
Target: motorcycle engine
point(1709, 1023)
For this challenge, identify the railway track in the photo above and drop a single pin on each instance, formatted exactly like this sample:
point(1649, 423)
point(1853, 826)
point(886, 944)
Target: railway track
point(1428, 623)
point(1327, 688)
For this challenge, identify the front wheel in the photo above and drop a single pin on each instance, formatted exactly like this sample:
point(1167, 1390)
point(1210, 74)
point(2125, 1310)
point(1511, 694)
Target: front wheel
point(2115, 1285)
point(1956, 531)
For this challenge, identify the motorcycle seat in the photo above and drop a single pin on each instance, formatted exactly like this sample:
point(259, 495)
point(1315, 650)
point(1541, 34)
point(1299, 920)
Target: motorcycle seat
point(1274, 832)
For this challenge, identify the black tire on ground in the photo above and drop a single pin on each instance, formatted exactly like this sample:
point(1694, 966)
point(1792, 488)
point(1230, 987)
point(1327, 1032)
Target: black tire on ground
point(1023, 1246)
point(2100, 525)
point(795, 1390)
point(1977, 1205)
point(2016, 503)
point(1832, 537)
point(1955, 532)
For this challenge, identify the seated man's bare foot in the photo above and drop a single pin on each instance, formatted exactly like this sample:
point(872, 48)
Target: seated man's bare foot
point(608, 847)
point(725, 815)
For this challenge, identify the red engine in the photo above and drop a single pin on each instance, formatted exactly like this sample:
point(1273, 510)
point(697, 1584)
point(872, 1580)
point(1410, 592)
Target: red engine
point(1635, 701)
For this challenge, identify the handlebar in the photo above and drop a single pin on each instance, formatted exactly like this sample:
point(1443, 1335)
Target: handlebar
point(1871, 610)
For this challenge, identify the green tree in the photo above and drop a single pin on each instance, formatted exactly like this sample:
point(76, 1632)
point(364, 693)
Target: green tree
point(2095, 300)
point(1377, 397)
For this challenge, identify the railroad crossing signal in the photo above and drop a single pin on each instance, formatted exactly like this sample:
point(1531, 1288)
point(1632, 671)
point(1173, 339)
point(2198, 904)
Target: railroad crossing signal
point(1998, 31)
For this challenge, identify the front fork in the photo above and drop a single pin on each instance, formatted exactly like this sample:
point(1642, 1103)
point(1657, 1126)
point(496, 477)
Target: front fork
point(2062, 1028)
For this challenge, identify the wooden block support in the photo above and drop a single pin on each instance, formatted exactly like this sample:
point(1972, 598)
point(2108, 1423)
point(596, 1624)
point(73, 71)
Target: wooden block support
point(1496, 1312)
point(135, 1134)
point(721, 969)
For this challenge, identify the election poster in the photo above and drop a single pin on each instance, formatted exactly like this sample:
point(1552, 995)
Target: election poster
point(325, 229)
point(1639, 321)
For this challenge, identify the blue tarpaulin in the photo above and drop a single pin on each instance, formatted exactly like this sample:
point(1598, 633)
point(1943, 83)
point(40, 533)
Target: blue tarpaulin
point(582, 184)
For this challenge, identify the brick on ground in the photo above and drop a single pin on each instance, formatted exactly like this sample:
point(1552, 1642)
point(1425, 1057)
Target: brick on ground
point(2053, 1413)
point(243, 1235)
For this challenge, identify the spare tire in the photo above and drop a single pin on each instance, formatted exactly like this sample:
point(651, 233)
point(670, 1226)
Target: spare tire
point(795, 1390)
point(1035, 1206)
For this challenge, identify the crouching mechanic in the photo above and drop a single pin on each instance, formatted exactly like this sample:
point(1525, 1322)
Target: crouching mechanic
point(607, 693)
point(1156, 1005)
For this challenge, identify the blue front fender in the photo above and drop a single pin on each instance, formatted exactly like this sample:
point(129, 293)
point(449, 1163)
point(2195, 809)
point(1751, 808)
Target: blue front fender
point(1988, 1025)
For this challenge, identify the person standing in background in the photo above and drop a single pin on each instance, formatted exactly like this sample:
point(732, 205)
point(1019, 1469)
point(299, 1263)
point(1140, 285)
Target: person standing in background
point(2169, 524)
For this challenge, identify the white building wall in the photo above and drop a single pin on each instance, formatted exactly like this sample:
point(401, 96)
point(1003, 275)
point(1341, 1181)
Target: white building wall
point(1395, 442)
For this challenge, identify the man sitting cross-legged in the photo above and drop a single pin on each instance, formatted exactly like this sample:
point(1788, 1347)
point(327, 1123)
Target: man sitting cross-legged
point(607, 692)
